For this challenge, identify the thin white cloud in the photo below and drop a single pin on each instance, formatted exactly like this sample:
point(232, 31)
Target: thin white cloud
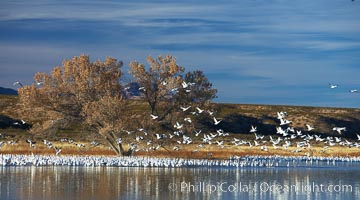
point(117, 11)
point(331, 45)
point(295, 70)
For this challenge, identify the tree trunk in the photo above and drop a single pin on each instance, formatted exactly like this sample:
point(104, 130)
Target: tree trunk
point(113, 147)
point(118, 149)
point(121, 149)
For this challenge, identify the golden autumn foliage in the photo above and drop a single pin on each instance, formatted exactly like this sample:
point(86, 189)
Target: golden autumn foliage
point(165, 87)
point(74, 92)
point(90, 93)
point(70, 87)
point(109, 115)
point(157, 83)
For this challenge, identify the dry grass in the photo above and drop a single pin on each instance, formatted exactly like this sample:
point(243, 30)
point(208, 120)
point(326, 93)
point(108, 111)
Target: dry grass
point(186, 151)
point(66, 149)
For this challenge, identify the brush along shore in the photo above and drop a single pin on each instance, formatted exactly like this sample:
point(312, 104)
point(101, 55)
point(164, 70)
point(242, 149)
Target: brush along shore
point(185, 151)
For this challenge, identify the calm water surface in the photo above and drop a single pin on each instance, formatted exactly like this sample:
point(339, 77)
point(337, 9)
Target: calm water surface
point(320, 182)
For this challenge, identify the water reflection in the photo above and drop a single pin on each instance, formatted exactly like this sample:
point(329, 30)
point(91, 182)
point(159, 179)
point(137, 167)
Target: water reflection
point(176, 183)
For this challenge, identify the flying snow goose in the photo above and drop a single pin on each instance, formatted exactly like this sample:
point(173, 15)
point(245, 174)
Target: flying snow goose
point(339, 129)
point(216, 122)
point(185, 108)
point(333, 86)
point(253, 129)
point(154, 116)
point(199, 110)
point(18, 83)
point(309, 127)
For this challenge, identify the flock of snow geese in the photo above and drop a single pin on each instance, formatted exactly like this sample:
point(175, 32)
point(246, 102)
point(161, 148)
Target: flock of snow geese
point(286, 137)
point(333, 86)
point(113, 161)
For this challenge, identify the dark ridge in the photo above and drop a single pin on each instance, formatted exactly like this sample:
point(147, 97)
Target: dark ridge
point(8, 91)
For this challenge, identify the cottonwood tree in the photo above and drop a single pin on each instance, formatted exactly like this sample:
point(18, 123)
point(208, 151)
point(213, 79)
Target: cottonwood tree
point(85, 92)
point(201, 90)
point(109, 116)
point(79, 91)
point(159, 83)
point(165, 88)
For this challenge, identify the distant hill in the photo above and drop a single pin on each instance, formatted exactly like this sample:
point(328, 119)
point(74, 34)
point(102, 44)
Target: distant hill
point(131, 90)
point(236, 118)
point(8, 91)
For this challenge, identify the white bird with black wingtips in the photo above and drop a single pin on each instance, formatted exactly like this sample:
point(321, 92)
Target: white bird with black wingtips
point(31, 143)
point(216, 121)
point(39, 83)
point(199, 110)
point(18, 83)
point(281, 114)
point(197, 133)
point(57, 150)
point(185, 108)
point(284, 122)
point(333, 86)
point(154, 116)
point(184, 84)
point(309, 127)
point(253, 129)
point(178, 126)
point(339, 129)
point(188, 119)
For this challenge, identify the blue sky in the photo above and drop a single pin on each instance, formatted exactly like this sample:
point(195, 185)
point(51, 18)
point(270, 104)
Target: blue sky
point(253, 51)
